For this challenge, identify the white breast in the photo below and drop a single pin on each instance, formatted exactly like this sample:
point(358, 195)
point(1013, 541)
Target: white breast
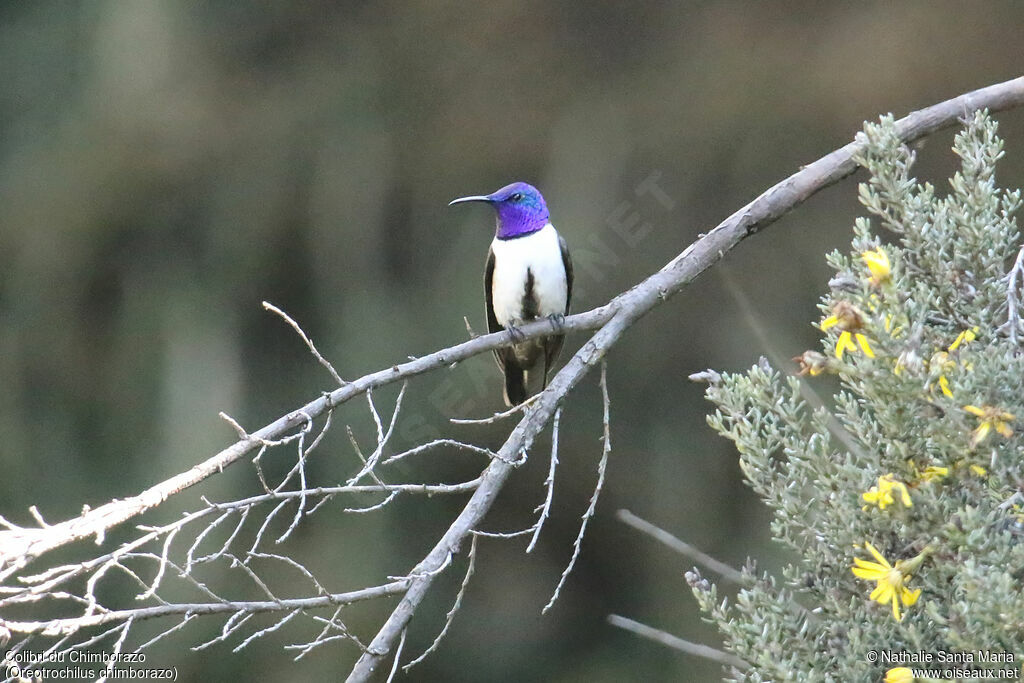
point(539, 252)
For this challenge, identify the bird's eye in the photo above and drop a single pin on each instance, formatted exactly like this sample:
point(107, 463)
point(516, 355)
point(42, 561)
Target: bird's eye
point(516, 197)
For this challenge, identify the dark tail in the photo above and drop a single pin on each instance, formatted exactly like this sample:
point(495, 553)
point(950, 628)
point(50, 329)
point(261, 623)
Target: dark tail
point(515, 384)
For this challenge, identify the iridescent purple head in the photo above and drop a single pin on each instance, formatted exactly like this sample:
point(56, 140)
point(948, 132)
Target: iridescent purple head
point(520, 209)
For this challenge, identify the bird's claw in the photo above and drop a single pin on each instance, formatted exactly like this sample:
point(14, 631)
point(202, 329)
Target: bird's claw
point(515, 333)
point(557, 321)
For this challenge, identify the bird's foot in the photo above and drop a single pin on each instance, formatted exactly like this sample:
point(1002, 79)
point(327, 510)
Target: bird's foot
point(514, 332)
point(557, 321)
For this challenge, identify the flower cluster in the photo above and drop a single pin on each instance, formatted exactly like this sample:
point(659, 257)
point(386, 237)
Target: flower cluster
point(943, 363)
point(882, 493)
point(989, 418)
point(849, 320)
point(917, 335)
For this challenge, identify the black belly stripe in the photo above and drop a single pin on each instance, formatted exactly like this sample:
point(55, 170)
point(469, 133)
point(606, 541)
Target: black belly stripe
point(529, 305)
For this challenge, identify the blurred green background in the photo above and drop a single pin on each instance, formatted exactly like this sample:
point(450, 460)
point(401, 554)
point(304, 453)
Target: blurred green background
point(165, 167)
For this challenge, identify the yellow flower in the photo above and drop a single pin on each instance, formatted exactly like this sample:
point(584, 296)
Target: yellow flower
point(893, 324)
point(900, 674)
point(974, 468)
point(878, 263)
point(882, 494)
point(932, 473)
point(891, 580)
point(944, 385)
point(942, 363)
point(845, 343)
point(990, 418)
point(964, 337)
point(850, 321)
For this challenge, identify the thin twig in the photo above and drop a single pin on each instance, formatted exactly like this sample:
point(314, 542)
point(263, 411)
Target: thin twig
point(470, 568)
point(270, 629)
point(676, 643)
point(116, 651)
point(683, 548)
point(437, 443)
point(322, 638)
point(589, 513)
point(377, 506)
point(497, 416)
point(55, 627)
point(398, 656)
point(382, 436)
point(309, 342)
point(549, 483)
point(505, 534)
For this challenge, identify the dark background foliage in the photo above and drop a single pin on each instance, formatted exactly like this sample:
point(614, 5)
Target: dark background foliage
point(164, 167)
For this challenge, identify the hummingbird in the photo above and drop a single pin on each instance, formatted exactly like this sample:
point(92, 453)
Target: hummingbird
point(528, 276)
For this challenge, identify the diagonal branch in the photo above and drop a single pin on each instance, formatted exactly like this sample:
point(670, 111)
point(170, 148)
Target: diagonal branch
point(683, 548)
point(676, 643)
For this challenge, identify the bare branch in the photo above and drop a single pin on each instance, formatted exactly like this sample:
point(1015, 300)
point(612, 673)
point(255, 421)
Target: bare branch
point(497, 417)
point(470, 568)
point(166, 632)
point(73, 624)
point(436, 443)
point(270, 629)
point(505, 534)
point(377, 506)
point(676, 643)
point(382, 436)
point(601, 467)
point(162, 567)
point(398, 656)
point(309, 342)
point(332, 624)
point(549, 483)
point(683, 548)
point(118, 646)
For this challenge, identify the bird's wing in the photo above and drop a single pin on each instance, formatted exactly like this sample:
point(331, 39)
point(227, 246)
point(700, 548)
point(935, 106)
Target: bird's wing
point(567, 262)
point(492, 321)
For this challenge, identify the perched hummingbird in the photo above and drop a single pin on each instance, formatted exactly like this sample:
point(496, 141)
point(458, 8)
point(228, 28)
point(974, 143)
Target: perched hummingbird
point(528, 276)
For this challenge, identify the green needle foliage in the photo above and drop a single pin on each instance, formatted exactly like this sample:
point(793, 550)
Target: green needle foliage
point(913, 472)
